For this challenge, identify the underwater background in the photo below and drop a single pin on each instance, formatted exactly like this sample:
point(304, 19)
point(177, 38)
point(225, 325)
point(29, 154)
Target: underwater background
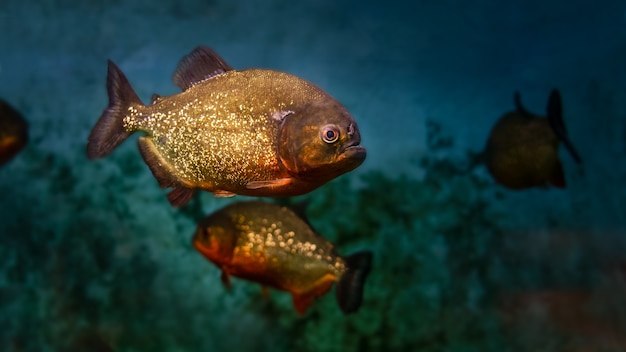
point(460, 262)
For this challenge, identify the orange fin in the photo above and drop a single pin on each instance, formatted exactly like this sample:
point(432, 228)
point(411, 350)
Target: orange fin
point(302, 302)
point(557, 179)
point(269, 184)
point(321, 286)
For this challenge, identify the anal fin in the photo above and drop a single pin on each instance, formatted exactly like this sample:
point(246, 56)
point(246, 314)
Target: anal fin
point(180, 196)
point(160, 168)
point(163, 173)
point(302, 301)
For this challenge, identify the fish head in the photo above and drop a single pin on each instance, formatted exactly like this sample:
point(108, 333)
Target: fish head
point(213, 242)
point(320, 142)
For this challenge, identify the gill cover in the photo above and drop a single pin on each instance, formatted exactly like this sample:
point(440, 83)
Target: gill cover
point(311, 141)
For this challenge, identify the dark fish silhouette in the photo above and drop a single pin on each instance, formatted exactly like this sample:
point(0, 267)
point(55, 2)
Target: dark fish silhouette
point(252, 132)
point(88, 340)
point(522, 150)
point(13, 132)
point(272, 245)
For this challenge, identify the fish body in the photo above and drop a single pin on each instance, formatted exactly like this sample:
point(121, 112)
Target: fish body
point(13, 132)
point(252, 132)
point(522, 149)
point(272, 245)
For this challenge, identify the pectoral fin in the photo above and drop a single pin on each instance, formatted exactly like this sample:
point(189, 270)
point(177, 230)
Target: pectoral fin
point(281, 182)
point(223, 194)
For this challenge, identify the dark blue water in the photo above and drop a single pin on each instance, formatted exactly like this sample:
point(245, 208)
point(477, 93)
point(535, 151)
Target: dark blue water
point(92, 248)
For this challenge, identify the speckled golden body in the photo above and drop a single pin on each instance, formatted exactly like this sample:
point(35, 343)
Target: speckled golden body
point(271, 245)
point(252, 132)
point(214, 132)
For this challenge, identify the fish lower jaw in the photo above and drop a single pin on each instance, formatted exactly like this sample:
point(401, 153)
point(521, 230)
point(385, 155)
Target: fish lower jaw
point(355, 152)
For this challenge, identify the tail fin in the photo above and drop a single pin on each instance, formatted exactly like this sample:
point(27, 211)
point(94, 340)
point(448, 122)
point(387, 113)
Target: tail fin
point(555, 118)
point(109, 131)
point(349, 290)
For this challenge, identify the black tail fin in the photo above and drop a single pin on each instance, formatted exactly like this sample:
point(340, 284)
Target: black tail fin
point(555, 118)
point(349, 290)
point(109, 131)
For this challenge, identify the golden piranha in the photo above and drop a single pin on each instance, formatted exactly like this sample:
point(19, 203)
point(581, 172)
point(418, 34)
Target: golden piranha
point(13, 132)
point(274, 246)
point(252, 132)
point(522, 150)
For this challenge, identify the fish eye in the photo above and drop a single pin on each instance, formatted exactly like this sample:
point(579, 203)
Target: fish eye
point(330, 133)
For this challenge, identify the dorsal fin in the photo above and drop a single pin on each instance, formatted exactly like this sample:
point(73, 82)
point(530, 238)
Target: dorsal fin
point(555, 111)
point(199, 65)
point(555, 119)
point(300, 209)
point(518, 104)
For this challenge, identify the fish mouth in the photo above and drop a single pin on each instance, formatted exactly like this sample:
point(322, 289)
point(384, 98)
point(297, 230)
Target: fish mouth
point(353, 151)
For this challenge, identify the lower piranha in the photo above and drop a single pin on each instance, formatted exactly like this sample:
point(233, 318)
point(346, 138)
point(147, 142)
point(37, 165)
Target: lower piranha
point(274, 246)
point(252, 132)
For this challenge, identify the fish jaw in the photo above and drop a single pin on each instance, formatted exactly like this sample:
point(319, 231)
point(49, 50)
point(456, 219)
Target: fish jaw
point(352, 157)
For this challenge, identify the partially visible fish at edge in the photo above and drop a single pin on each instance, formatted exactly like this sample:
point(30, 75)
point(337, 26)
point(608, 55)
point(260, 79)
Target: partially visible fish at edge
point(13, 132)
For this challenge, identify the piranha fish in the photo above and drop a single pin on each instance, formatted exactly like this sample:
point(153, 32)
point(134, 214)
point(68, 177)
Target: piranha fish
point(13, 132)
point(276, 247)
point(252, 132)
point(522, 150)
